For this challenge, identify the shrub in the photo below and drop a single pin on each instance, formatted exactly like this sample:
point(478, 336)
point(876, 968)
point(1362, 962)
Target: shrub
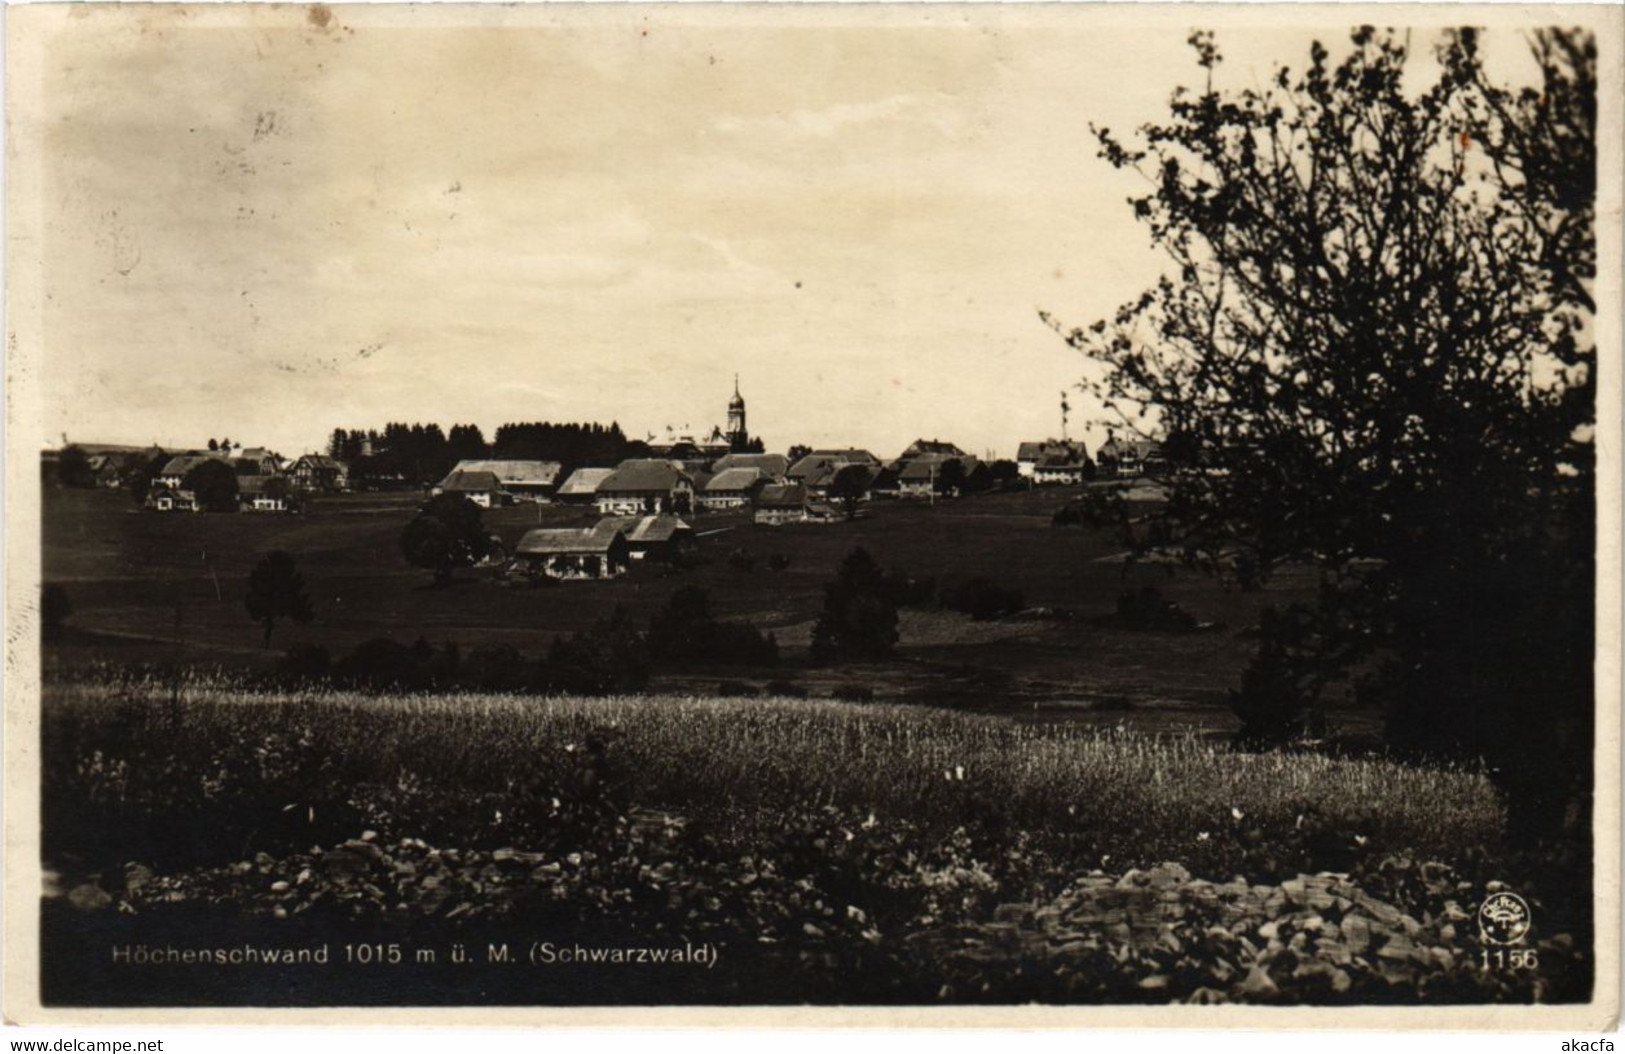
point(853, 693)
point(495, 668)
point(906, 591)
point(734, 690)
point(982, 600)
point(610, 658)
point(377, 664)
point(859, 620)
point(1145, 609)
point(784, 690)
point(305, 663)
point(685, 633)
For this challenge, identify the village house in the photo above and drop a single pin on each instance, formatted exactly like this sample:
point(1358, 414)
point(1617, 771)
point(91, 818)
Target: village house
point(731, 488)
point(848, 455)
point(524, 480)
point(658, 537)
point(261, 494)
point(258, 461)
point(104, 470)
point(773, 467)
point(921, 476)
point(643, 485)
point(781, 503)
point(573, 552)
point(481, 488)
point(1053, 461)
point(581, 486)
point(171, 499)
point(1128, 458)
point(174, 472)
point(320, 472)
point(930, 446)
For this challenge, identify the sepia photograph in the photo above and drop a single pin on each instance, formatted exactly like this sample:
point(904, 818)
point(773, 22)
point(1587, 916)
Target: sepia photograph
point(1053, 511)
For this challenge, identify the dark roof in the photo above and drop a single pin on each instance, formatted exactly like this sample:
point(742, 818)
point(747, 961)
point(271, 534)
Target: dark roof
point(550, 541)
point(642, 530)
point(930, 446)
point(523, 473)
point(1067, 451)
point(461, 480)
point(849, 454)
point(768, 464)
point(929, 466)
point(585, 481)
point(781, 496)
point(1115, 447)
point(321, 461)
point(184, 463)
point(251, 485)
point(642, 475)
point(733, 481)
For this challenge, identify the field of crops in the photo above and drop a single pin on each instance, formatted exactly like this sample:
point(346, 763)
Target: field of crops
point(831, 852)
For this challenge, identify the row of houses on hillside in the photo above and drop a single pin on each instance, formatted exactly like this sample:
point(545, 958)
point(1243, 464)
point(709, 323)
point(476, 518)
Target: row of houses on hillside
point(265, 481)
point(1067, 461)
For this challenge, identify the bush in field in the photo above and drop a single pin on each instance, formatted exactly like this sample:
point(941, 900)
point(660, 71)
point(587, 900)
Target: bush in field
point(495, 668)
point(686, 633)
point(982, 600)
point(784, 690)
point(859, 619)
point(305, 663)
point(379, 663)
point(445, 534)
point(1146, 609)
point(276, 590)
point(54, 609)
point(611, 658)
point(906, 591)
point(1276, 699)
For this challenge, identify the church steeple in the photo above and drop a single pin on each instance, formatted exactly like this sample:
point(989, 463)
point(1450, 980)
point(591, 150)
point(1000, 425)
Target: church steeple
point(736, 417)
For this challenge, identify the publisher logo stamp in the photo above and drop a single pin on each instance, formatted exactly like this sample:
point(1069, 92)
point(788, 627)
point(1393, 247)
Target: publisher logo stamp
point(1503, 918)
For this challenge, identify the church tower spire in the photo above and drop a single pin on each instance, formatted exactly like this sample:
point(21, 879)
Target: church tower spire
point(737, 436)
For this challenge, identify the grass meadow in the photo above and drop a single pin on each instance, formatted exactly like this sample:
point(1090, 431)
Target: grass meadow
point(834, 852)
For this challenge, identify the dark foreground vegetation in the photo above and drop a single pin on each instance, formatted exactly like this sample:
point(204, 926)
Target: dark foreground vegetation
point(828, 852)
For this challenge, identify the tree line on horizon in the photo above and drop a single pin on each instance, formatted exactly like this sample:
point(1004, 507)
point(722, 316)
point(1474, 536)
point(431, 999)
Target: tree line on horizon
point(421, 454)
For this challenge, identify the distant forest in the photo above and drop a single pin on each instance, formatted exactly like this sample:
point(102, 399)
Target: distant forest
point(421, 454)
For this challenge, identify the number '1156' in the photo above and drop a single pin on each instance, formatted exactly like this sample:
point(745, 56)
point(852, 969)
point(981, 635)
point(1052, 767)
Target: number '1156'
point(1513, 958)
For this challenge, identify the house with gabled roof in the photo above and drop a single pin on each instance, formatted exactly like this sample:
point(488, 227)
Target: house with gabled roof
point(930, 446)
point(524, 480)
point(320, 472)
point(568, 553)
point(174, 472)
point(1126, 458)
point(780, 503)
point(1053, 461)
point(773, 467)
point(581, 486)
point(481, 488)
point(641, 485)
point(732, 488)
point(659, 536)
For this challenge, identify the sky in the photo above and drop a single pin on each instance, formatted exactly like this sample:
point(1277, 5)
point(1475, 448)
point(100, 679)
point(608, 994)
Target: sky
point(264, 223)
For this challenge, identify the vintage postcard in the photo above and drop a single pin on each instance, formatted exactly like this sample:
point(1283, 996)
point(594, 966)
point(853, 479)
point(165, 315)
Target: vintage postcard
point(1038, 515)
